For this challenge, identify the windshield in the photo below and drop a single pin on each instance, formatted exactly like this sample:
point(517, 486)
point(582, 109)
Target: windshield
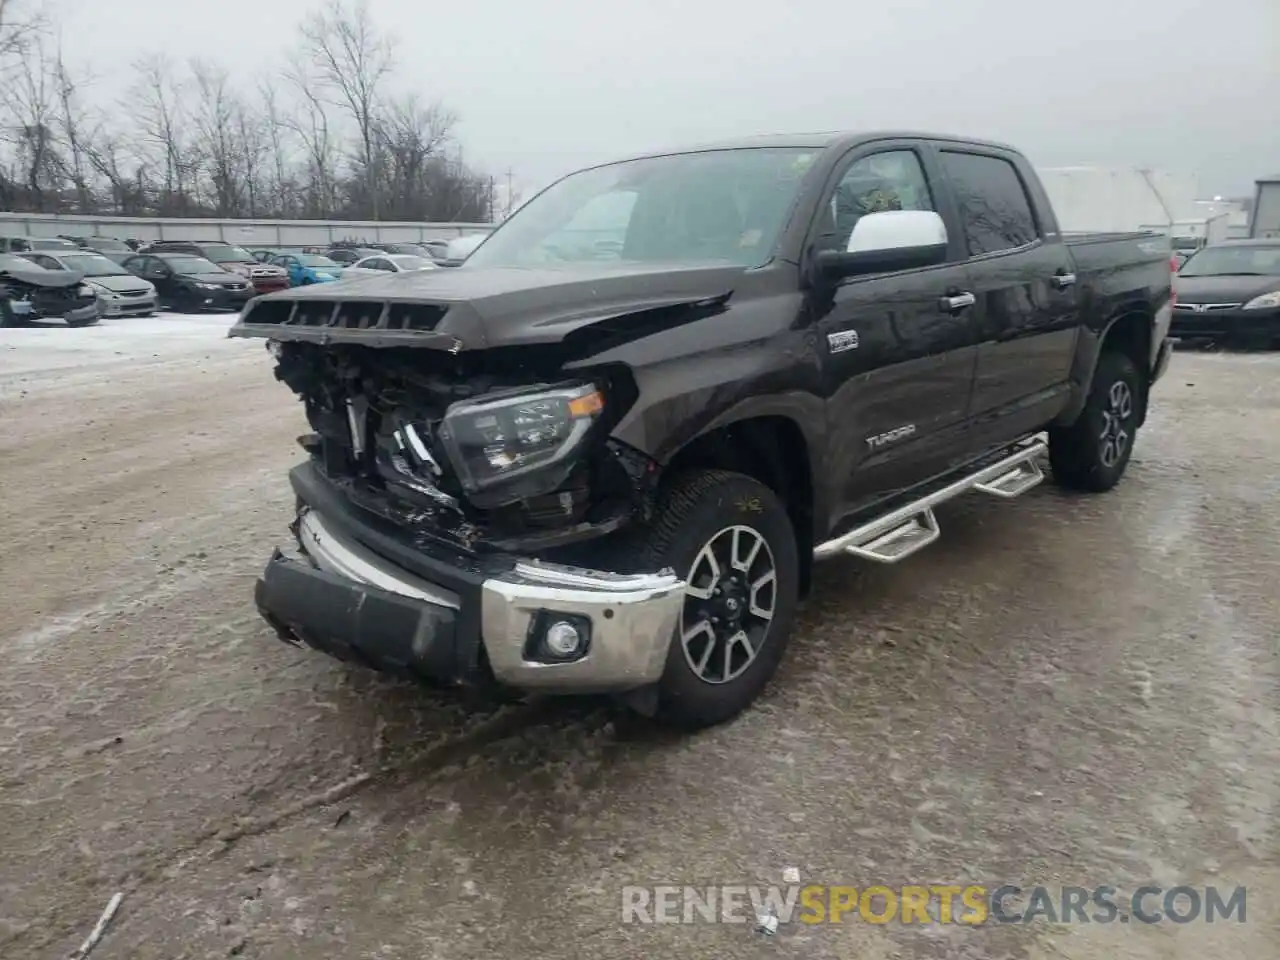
point(718, 206)
point(52, 244)
point(229, 255)
point(1242, 261)
point(407, 262)
point(92, 265)
point(192, 265)
point(310, 260)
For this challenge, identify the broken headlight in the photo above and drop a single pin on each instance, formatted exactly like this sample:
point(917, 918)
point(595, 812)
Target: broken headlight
point(496, 439)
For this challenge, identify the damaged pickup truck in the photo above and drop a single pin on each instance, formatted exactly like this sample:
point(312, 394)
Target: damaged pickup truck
point(30, 292)
point(602, 454)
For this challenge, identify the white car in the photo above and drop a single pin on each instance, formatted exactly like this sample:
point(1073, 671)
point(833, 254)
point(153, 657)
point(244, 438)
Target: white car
point(385, 263)
point(119, 292)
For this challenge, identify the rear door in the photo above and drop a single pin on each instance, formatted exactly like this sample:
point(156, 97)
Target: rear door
point(1027, 314)
point(898, 358)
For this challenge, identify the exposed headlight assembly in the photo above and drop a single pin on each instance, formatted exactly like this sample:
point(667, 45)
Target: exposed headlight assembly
point(84, 290)
point(494, 440)
point(1266, 300)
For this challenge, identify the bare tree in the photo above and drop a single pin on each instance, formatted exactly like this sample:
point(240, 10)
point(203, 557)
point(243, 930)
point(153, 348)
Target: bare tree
point(352, 60)
point(30, 97)
point(163, 125)
point(21, 23)
point(214, 118)
point(327, 136)
point(276, 131)
point(313, 126)
point(75, 128)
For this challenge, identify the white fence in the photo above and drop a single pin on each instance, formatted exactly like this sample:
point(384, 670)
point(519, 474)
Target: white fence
point(255, 233)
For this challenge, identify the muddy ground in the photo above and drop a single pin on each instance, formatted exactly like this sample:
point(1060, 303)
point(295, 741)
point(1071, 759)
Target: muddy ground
point(1064, 690)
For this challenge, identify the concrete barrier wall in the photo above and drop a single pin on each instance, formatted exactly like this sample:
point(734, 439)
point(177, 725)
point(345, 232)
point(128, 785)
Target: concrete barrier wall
point(250, 233)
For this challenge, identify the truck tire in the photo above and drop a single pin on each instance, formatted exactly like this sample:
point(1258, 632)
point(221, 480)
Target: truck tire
point(1092, 453)
point(735, 624)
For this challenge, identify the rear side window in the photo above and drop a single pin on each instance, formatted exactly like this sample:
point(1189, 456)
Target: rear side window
point(994, 206)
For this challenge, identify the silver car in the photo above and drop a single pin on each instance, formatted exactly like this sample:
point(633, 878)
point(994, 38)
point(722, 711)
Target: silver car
point(120, 293)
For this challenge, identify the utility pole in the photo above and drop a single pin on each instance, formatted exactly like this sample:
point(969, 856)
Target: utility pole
point(510, 176)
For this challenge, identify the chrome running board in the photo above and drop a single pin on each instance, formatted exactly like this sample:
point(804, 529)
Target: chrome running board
point(912, 527)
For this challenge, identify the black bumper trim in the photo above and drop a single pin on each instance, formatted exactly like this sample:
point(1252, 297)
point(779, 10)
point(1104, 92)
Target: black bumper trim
point(459, 572)
point(397, 635)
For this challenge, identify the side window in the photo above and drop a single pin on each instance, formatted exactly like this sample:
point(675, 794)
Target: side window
point(42, 261)
point(993, 203)
point(379, 264)
point(893, 180)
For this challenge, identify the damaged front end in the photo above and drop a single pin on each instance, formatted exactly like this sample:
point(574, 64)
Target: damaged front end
point(29, 292)
point(482, 449)
point(454, 511)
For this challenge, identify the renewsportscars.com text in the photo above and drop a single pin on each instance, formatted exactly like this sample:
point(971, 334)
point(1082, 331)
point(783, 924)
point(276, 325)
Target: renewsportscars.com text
point(969, 905)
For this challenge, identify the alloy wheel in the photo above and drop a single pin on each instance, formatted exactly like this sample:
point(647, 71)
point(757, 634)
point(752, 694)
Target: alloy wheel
point(1116, 417)
point(731, 593)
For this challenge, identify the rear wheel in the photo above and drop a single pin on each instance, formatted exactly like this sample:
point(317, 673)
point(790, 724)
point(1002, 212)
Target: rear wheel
point(730, 537)
point(1093, 452)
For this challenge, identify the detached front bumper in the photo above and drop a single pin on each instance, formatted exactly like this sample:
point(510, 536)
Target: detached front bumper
point(337, 595)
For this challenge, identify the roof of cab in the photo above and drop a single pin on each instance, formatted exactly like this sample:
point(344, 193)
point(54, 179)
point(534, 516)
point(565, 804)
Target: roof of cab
point(819, 141)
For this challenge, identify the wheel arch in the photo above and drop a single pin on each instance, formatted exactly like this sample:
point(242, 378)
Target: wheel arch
point(1130, 330)
point(770, 445)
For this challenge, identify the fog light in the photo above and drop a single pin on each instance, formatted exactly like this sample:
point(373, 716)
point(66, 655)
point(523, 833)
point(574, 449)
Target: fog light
point(563, 639)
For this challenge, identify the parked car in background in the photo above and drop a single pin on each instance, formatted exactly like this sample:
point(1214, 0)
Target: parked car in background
point(119, 292)
point(460, 248)
point(307, 268)
point(413, 249)
point(264, 277)
point(349, 255)
point(1230, 292)
point(263, 255)
point(30, 292)
point(384, 263)
point(184, 281)
point(22, 244)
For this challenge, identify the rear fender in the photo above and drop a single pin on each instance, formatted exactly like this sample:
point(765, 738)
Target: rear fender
point(1138, 326)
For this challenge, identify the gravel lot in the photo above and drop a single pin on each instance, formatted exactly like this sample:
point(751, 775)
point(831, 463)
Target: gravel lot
point(1064, 690)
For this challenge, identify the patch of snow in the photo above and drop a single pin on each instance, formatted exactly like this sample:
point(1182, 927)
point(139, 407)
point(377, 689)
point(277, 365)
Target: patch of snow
point(47, 347)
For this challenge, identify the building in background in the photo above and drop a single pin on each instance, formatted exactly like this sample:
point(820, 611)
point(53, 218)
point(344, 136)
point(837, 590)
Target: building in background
point(1265, 219)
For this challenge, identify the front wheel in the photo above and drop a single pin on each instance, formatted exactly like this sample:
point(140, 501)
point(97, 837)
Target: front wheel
point(1093, 452)
point(730, 538)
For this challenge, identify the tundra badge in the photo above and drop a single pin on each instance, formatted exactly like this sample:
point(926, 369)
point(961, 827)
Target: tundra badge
point(899, 433)
point(842, 341)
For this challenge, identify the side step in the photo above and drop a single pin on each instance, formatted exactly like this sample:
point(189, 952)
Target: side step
point(912, 527)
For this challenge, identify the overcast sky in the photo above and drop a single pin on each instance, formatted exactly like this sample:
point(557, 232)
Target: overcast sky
point(548, 85)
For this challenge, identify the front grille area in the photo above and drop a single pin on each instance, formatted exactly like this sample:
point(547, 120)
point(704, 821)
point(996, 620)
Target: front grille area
point(133, 293)
point(1204, 307)
point(348, 315)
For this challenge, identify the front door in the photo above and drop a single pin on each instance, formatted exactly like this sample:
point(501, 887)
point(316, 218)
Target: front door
point(898, 348)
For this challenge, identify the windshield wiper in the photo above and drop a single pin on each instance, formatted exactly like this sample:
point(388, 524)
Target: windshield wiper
point(1236, 273)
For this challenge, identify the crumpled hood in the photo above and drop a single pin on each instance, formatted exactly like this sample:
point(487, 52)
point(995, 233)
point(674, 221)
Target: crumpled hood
point(480, 307)
point(40, 277)
point(120, 283)
point(1222, 289)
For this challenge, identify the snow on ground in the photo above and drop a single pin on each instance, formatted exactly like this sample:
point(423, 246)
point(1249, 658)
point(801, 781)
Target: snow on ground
point(29, 353)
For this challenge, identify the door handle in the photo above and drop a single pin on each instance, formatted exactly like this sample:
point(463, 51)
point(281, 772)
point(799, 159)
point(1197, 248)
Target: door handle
point(1063, 280)
point(956, 302)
